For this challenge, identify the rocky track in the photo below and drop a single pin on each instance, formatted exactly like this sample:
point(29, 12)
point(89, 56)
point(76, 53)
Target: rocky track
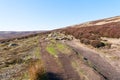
point(66, 66)
point(58, 68)
point(98, 63)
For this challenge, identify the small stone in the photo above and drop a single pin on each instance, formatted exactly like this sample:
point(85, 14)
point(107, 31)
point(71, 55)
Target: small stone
point(12, 44)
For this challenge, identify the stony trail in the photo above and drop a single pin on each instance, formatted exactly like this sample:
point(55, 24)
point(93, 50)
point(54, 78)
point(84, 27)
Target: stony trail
point(61, 67)
point(57, 69)
point(98, 63)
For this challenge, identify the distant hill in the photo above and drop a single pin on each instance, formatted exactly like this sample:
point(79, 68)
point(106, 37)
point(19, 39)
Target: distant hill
point(14, 34)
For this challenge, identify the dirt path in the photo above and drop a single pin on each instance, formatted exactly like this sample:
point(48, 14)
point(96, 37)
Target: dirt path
point(69, 70)
point(98, 63)
point(54, 71)
point(57, 68)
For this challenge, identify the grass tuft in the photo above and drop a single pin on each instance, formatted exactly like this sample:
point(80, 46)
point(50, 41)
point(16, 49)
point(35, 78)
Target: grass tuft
point(51, 49)
point(63, 48)
point(37, 71)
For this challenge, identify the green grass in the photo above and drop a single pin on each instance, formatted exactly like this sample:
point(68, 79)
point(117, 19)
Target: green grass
point(37, 53)
point(55, 46)
point(51, 49)
point(63, 48)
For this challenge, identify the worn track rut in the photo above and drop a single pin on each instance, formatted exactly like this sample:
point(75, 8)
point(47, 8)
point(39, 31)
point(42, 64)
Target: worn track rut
point(99, 64)
point(57, 68)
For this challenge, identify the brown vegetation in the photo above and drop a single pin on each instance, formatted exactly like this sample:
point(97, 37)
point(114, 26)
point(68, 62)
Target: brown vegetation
point(95, 32)
point(85, 41)
point(97, 43)
point(37, 71)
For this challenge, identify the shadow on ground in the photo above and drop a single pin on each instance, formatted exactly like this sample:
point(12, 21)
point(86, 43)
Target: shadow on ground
point(53, 76)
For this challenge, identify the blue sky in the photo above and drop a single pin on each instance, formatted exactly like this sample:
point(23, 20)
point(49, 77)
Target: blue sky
point(28, 15)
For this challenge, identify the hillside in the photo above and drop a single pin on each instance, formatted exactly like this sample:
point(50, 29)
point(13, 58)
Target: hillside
point(88, 51)
point(14, 34)
point(92, 32)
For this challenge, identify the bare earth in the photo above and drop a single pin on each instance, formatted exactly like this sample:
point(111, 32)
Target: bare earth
point(100, 64)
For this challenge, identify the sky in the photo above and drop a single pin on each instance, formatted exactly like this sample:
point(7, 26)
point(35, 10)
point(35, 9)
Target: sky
point(30, 15)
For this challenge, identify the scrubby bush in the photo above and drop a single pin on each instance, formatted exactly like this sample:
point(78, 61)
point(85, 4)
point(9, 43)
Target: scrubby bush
point(111, 30)
point(108, 45)
point(85, 41)
point(94, 37)
point(97, 43)
point(37, 71)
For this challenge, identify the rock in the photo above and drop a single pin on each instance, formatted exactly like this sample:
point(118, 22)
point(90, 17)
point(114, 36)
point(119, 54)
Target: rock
point(60, 36)
point(12, 44)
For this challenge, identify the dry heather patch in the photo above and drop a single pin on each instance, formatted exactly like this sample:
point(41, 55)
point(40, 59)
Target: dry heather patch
point(95, 32)
point(37, 71)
